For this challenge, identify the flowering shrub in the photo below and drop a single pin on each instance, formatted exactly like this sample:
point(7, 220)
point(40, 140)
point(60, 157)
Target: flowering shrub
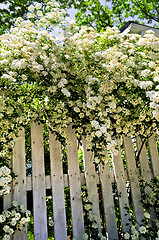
point(102, 82)
point(106, 83)
point(5, 179)
point(12, 219)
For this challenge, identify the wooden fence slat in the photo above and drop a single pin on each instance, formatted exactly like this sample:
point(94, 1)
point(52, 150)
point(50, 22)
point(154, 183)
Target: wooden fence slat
point(144, 166)
point(60, 231)
point(108, 201)
point(146, 173)
point(38, 177)
point(75, 184)
point(134, 181)
point(19, 183)
point(122, 192)
point(154, 155)
point(91, 183)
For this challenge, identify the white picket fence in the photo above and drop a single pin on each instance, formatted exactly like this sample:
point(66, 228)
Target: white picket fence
point(56, 181)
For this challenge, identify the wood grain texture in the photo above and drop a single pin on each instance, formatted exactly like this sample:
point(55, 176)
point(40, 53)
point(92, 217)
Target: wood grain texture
point(75, 184)
point(38, 177)
point(57, 183)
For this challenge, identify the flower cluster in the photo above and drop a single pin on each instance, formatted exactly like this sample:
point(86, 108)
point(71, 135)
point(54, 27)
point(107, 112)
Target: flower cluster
point(13, 219)
point(5, 179)
point(142, 233)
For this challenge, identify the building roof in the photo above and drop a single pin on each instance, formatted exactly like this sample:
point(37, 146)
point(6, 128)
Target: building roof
point(133, 27)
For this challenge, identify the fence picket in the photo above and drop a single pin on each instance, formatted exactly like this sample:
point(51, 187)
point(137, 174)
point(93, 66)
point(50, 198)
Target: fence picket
point(108, 201)
point(19, 183)
point(57, 189)
point(75, 184)
point(38, 177)
point(154, 155)
point(144, 166)
point(134, 181)
point(91, 183)
point(122, 192)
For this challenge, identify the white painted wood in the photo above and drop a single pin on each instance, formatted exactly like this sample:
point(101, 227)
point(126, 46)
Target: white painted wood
point(146, 173)
point(134, 180)
point(75, 184)
point(91, 183)
point(109, 208)
point(38, 177)
point(57, 183)
point(154, 155)
point(29, 184)
point(19, 183)
point(122, 191)
point(144, 166)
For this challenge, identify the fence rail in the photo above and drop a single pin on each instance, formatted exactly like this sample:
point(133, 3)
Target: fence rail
point(121, 173)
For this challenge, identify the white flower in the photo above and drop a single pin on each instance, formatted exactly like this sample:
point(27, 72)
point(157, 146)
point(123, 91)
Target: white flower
point(24, 77)
point(2, 218)
point(103, 129)
point(142, 230)
point(60, 84)
point(95, 124)
point(156, 114)
point(98, 133)
point(146, 84)
point(17, 216)
point(65, 92)
point(134, 231)
point(112, 105)
point(23, 220)
point(149, 32)
point(6, 237)
point(39, 13)
point(15, 203)
point(30, 15)
point(94, 225)
point(152, 64)
point(13, 222)
point(38, 6)
point(126, 236)
point(76, 109)
point(51, 223)
point(6, 228)
point(147, 215)
point(156, 79)
point(145, 73)
point(31, 8)
point(85, 236)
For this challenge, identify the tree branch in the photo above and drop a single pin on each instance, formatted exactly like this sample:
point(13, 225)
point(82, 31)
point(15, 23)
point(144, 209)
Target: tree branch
point(148, 15)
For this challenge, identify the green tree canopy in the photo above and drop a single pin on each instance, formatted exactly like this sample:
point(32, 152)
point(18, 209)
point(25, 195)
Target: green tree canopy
point(12, 9)
point(100, 14)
